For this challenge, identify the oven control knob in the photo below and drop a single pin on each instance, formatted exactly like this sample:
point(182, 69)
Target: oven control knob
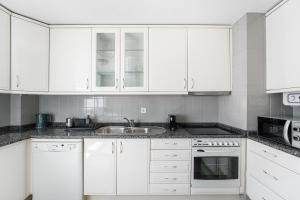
point(220, 143)
point(296, 138)
point(215, 143)
point(230, 144)
point(225, 143)
point(235, 144)
point(209, 143)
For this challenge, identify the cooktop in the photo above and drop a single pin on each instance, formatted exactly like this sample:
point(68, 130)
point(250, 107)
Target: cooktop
point(208, 131)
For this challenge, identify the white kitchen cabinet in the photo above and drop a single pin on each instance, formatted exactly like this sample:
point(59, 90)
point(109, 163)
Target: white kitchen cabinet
point(100, 166)
point(167, 60)
point(13, 171)
point(4, 50)
point(116, 166)
point(134, 59)
point(209, 67)
point(29, 55)
point(70, 60)
point(268, 166)
point(133, 166)
point(283, 46)
point(106, 53)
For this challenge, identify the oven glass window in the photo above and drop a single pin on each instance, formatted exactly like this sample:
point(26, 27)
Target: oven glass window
point(216, 168)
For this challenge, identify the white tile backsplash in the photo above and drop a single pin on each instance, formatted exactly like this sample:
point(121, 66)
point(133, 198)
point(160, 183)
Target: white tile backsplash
point(114, 108)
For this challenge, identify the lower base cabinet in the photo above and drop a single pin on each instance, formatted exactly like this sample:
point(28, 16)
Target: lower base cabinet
point(13, 171)
point(116, 166)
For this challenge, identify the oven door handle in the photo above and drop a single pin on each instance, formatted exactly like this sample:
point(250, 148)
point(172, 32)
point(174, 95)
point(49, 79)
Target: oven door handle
point(206, 151)
point(286, 132)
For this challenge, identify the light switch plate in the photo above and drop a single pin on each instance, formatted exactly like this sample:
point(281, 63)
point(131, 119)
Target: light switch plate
point(291, 99)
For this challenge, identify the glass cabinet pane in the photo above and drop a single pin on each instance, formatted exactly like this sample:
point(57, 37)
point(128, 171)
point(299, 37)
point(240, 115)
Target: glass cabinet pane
point(134, 60)
point(105, 60)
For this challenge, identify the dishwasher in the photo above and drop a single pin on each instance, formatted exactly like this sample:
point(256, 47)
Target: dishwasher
point(57, 172)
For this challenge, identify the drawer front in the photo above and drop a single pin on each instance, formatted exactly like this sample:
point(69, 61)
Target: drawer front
point(171, 144)
point(181, 155)
point(170, 166)
point(278, 179)
point(257, 191)
point(172, 178)
point(281, 158)
point(170, 189)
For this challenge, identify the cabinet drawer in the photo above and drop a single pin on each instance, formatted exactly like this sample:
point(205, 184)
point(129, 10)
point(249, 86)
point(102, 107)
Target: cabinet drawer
point(170, 166)
point(277, 156)
point(171, 144)
point(170, 189)
point(257, 191)
point(280, 180)
point(172, 178)
point(171, 155)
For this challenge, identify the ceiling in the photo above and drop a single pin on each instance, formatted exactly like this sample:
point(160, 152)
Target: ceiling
point(137, 11)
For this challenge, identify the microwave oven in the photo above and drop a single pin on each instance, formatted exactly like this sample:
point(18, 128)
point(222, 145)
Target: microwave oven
point(281, 130)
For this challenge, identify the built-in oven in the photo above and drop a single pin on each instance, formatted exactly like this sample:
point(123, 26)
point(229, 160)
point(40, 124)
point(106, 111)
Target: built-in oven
point(216, 166)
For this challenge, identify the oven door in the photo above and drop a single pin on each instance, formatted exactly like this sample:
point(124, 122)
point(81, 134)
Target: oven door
point(216, 168)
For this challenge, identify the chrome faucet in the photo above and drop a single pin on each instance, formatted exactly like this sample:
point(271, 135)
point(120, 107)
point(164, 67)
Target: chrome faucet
point(130, 122)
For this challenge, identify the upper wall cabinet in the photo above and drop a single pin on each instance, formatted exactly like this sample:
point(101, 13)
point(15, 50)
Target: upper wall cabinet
point(106, 59)
point(134, 59)
point(209, 67)
point(4, 50)
point(29, 56)
point(283, 47)
point(120, 59)
point(70, 59)
point(167, 60)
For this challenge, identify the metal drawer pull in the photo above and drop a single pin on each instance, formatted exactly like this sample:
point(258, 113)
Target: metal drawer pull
point(117, 83)
point(121, 147)
point(272, 154)
point(87, 84)
point(174, 167)
point(171, 155)
point(265, 172)
point(184, 84)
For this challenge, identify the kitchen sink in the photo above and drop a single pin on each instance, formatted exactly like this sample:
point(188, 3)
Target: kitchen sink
point(119, 130)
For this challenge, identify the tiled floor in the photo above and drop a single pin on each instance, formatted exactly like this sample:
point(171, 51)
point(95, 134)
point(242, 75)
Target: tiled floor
point(202, 197)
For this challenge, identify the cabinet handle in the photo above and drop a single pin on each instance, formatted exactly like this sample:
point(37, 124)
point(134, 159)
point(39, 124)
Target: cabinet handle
point(87, 84)
point(121, 147)
point(117, 83)
point(185, 83)
point(193, 83)
point(274, 155)
point(171, 155)
point(123, 82)
point(18, 81)
point(263, 198)
point(113, 147)
point(265, 172)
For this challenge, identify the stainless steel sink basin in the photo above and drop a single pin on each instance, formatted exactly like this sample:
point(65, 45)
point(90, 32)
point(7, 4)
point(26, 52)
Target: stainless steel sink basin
point(121, 130)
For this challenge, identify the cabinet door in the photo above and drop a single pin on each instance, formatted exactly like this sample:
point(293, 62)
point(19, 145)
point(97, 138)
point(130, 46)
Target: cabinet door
point(106, 59)
point(29, 56)
point(13, 171)
point(4, 50)
point(70, 59)
point(283, 46)
point(209, 59)
point(167, 59)
point(99, 167)
point(134, 59)
point(133, 166)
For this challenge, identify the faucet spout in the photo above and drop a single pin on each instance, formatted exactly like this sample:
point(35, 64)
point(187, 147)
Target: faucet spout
point(130, 122)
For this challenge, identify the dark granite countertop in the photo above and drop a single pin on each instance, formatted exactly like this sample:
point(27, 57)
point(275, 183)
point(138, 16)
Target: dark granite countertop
point(60, 133)
point(285, 148)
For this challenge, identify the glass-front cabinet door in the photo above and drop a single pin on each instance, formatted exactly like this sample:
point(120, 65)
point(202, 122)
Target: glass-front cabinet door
point(134, 59)
point(106, 59)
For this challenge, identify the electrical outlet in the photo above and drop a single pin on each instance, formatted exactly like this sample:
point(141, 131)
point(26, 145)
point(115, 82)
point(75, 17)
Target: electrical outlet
point(143, 110)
